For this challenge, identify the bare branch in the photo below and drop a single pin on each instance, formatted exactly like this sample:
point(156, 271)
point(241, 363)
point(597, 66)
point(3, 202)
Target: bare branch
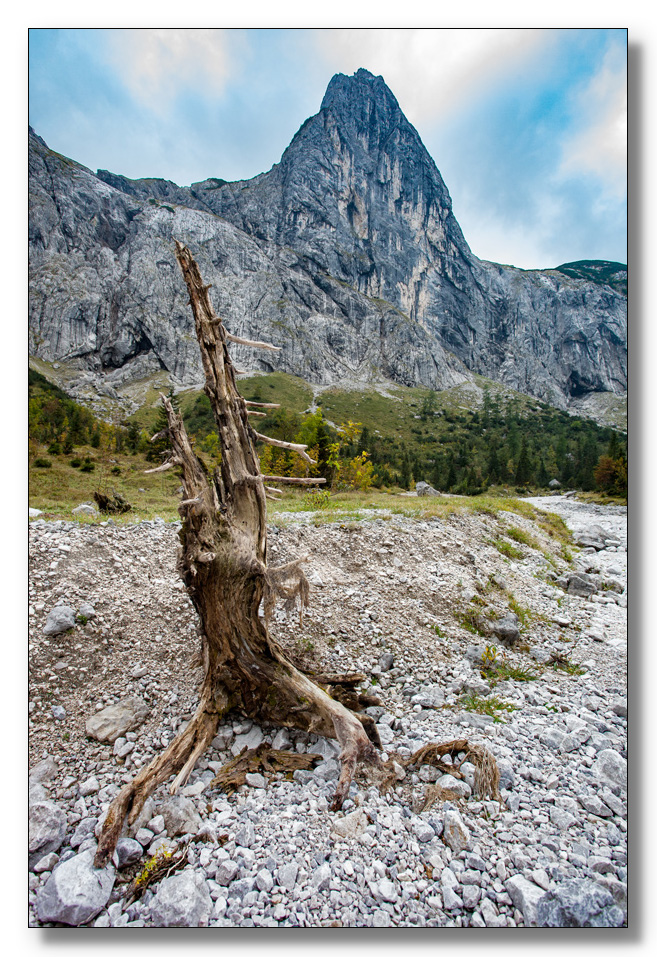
point(162, 468)
point(251, 342)
point(261, 415)
point(263, 405)
point(275, 491)
point(292, 446)
point(287, 480)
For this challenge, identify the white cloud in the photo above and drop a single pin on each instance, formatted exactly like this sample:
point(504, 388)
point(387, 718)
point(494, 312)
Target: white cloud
point(600, 146)
point(432, 71)
point(156, 65)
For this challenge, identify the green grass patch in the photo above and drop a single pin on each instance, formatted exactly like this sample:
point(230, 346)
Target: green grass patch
point(490, 705)
point(521, 536)
point(506, 548)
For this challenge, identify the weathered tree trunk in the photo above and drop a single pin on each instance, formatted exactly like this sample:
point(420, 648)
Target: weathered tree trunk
point(223, 563)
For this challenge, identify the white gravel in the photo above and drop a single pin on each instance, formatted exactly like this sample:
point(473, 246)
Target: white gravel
point(381, 586)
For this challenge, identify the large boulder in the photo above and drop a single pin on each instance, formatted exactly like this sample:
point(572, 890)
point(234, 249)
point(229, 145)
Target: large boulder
point(424, 489)
point(75, 892)
point(60, 619)
point(181, 901)
point(580, 902)
point(47, 827)
point(114, 721)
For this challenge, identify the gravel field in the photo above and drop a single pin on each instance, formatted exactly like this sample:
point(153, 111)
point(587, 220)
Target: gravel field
point(392, 597)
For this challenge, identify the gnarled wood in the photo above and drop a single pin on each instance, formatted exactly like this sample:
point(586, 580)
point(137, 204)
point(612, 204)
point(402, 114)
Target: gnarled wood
point(223, 563)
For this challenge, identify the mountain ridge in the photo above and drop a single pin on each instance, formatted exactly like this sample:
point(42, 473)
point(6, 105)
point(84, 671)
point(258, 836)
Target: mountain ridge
point(346, 254)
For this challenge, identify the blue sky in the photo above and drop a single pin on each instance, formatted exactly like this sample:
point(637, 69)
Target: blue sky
point(527, 126)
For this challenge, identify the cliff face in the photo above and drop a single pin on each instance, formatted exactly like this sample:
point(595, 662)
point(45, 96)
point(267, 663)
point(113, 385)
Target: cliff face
point(346, 253)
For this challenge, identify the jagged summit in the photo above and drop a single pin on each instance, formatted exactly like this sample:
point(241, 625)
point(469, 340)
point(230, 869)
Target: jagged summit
point(346, 253)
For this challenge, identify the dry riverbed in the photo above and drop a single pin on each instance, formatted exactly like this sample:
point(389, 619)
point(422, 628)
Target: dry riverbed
point(412, 604)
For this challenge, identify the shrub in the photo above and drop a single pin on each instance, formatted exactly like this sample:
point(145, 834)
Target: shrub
point(42, 464)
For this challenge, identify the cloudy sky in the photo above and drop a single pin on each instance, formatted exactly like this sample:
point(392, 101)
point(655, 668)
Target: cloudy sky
point(528, 127)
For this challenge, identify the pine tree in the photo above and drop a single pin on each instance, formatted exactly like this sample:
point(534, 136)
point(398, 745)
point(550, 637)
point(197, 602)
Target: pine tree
point(523, 468)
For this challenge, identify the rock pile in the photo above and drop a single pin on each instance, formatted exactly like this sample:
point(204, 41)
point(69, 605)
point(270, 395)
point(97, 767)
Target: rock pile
point(553, 853)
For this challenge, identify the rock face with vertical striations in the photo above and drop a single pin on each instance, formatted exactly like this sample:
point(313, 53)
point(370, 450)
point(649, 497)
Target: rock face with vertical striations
point(346, 254)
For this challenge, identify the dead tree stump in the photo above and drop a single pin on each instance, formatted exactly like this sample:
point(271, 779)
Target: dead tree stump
point(223, 563)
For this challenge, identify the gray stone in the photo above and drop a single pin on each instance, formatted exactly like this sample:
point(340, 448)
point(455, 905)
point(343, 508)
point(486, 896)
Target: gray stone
point(580, 587)
point(455, 834)
point(593, 804)
point(429, 698)
point(43, 771)
point(46, 863)
point(351, 826)
point(562, 819)
point(245, 836)
point(180, 816)
point(144, 836)
point(422, 830)
point(34, 512)
point(114, 721)
point(552, 738)
point(85, 508)
point(428, 773)
point(580, 902)
point(264, 881)
point(461, 789)
point(47, 827)
point(239, 889)
point(75, 892)
point(619, 707)
point(321, 877)
point(610, 768)
point(227, 871)
point(424, 489)
point(250, 740)
point(84, 830)
point(60, 619)
point(181, 901)
point(128, 851)
point(388, 891)
point(58, 713)
point(506, 628)
point(526, 896)
point(87, 611)
point(256, 780)
point(507, 774)
point(386, 661)
point(286, 875)
point(90, 786)
point(471, 896)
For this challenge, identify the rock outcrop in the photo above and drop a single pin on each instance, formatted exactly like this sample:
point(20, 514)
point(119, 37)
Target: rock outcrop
point(346, 254)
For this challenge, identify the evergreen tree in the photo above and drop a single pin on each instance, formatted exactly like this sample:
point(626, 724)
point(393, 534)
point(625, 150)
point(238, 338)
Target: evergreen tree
point(523, 468)
point(161, 428)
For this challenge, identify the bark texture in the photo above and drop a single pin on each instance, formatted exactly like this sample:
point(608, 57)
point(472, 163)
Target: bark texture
point(223, 563)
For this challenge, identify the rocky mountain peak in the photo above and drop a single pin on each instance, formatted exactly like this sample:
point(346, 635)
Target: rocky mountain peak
point(364, 103)
point(346, 253)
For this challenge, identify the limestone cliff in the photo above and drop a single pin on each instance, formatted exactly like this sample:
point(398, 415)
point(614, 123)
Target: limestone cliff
point(346, 253)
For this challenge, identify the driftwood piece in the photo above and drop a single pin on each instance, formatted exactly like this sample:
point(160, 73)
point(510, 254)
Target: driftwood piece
point(223, 564)
point(263, 758)
point(114, 504)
